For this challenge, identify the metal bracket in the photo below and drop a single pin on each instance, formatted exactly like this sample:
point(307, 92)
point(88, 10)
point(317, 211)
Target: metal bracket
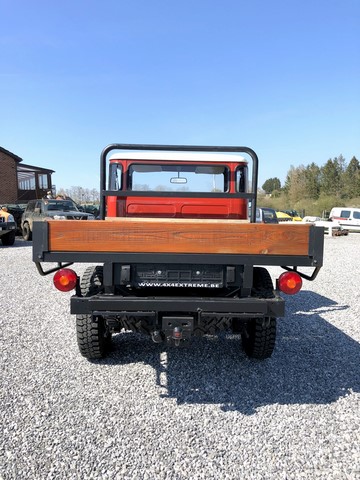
point(52, 270)
point(303, 275)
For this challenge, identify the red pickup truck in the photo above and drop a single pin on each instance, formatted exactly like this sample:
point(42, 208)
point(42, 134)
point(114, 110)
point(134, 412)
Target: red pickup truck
point(176, 254)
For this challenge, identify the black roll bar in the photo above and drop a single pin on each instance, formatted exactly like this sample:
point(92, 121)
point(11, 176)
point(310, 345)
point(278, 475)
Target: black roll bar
point(177, 148)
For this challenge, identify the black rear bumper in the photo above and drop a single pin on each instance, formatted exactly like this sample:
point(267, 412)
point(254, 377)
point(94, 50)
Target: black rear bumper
point(112, 305)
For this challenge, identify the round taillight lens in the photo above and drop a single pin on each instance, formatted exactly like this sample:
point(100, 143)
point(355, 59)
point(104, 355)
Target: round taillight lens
point(290, 283)
point(65, 279)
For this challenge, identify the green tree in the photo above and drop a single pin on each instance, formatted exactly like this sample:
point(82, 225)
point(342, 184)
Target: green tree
point(271, 184)
point(352, 179)
point(295, 184)
point(332, 177)
point(312, 181)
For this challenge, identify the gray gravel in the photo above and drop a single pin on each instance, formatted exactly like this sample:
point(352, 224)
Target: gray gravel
point(204, 412)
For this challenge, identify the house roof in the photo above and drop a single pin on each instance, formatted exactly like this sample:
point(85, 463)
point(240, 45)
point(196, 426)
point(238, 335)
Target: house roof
point(32, 168)
point(26, 171)
point(10, 154)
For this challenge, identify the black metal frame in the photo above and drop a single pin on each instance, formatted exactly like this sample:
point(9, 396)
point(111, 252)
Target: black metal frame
point(177, 148)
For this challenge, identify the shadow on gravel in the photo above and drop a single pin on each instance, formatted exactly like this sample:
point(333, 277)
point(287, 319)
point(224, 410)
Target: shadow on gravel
point(19, 242)
point(313, 363)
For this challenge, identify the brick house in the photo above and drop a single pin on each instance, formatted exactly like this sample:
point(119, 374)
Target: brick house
point(19, 182)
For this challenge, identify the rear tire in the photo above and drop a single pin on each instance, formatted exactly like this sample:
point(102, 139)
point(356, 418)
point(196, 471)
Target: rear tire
point(93, 335)
point(259, 337)
point(8, 239)
point(259, 334)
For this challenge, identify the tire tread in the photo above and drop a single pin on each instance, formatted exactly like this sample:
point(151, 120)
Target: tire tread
point(259, 335)
point(92, 336)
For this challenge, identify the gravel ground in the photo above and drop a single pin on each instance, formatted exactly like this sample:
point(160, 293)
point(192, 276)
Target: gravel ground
point(204, 412)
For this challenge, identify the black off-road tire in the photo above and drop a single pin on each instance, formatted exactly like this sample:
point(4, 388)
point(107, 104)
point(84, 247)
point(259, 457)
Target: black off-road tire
point(93, 335)
point(259, 334)
point(26, 232)
point(8, 239)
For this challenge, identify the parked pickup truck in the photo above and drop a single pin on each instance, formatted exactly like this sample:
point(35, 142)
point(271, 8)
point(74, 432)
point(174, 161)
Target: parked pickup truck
point(175, 252)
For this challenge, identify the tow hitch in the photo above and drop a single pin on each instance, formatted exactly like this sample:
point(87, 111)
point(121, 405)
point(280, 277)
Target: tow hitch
point(177, 335)
point(177, 328)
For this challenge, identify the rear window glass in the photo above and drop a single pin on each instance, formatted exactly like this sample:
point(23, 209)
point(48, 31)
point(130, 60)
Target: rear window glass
point(345, 214)
point(115, 177)
point(178, 178)
point(241, 179)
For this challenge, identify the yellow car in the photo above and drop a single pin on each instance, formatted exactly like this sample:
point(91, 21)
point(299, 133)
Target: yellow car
point(283, 217)
point(295, 217)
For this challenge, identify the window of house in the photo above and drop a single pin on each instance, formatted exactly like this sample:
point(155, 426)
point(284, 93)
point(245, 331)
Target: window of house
point(28, 183)
point(43, 181)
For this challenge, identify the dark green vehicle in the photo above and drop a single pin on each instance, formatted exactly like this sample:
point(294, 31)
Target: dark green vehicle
point(49, 209)
point(7, 227)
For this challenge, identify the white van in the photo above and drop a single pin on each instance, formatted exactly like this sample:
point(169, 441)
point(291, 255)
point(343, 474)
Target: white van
point(348, 217)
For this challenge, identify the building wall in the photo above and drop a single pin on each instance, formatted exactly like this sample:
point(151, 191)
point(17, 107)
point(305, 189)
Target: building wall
point(8, 179)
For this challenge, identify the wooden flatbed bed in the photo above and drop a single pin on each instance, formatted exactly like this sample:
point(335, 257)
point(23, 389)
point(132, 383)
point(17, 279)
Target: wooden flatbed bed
point(94, 238)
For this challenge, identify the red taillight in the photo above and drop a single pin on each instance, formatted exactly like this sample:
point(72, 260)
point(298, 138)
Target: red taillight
point(290, 283)
point(65, 279)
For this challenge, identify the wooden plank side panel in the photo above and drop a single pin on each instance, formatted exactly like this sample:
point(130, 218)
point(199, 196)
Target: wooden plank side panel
point(132, 235)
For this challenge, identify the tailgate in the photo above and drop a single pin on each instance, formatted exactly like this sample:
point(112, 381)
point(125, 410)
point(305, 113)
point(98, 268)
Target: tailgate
point(101, 240)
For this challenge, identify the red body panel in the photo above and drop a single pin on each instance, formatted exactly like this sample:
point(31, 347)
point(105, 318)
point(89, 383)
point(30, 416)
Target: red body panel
point(177, 207)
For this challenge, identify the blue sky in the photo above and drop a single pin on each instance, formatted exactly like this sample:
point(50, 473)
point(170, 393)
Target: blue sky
point(282, 77)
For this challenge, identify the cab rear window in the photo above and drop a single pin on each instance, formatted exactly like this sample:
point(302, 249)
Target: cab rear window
point(178, 178)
